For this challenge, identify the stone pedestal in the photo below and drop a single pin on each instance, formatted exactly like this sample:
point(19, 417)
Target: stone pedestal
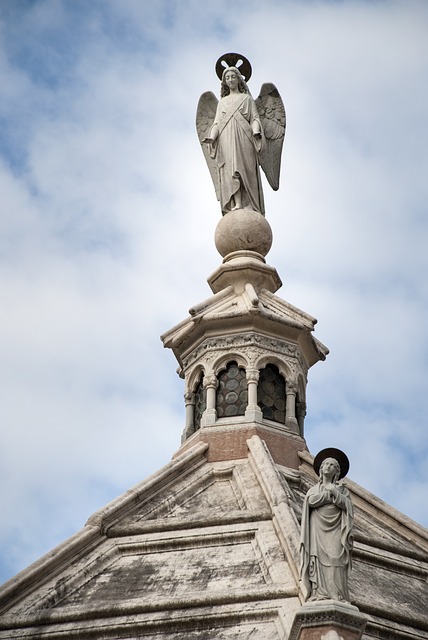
point(328, 620)
point(242, 267)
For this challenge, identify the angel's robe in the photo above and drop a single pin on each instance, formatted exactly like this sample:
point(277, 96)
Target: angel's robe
point(326, 543)
point(236, 152)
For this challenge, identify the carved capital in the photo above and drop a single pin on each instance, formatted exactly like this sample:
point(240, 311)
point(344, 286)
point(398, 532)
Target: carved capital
point(252, 375)
point(210, 382)
point(189, 398)
point(291, 388)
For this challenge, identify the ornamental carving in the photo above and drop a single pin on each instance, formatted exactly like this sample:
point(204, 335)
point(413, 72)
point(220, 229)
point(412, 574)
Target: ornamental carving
point(247, 343)
point(253, 375)
point(210, 381)
point(189, 398)
point(291, 387)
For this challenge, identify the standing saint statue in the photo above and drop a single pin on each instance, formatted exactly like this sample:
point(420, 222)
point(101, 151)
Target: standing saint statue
point(239, 134)
point(326, 531)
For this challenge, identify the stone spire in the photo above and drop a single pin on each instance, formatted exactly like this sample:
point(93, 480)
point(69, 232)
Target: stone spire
point(244, 353)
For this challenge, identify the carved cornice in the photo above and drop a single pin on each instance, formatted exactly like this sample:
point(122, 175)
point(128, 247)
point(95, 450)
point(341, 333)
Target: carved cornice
point(328, 613)
point(236, 607)
point(244, 342)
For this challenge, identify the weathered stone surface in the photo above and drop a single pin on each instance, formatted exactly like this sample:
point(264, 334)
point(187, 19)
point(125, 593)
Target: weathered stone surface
point(210, 549)
point(197, 535)
point(228, 441)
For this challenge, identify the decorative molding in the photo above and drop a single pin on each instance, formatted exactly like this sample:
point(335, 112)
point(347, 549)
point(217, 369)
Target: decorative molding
point(182, 523)
point(328, 613)
point(244, 342)
point(234, 608)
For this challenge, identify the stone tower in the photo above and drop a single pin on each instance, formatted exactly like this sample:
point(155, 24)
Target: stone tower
point(208, 547)
point(244, 353)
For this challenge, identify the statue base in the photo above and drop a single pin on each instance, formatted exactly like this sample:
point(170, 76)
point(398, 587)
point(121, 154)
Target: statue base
point(328, 620)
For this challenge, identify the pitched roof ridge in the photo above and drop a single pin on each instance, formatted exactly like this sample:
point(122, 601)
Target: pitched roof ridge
point(43, 569)
point(283, 305)
point(212, 301)
point(391, 547)
point(283, 515)
point(94, 530)
point(120, 505)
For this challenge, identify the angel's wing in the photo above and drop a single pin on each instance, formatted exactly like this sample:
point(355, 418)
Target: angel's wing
point(272, 115)
point(205, 114)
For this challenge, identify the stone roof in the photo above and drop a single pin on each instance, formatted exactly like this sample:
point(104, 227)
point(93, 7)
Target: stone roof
point(211, 550)
point(242, 308)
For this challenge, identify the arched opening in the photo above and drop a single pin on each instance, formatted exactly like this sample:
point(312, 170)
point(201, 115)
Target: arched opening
point(271, 396)
point(200, 402)
point(232, 392)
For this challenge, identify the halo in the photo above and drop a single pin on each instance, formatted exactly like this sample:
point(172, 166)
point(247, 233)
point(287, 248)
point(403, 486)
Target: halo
point(337, 454)
point(233, 60)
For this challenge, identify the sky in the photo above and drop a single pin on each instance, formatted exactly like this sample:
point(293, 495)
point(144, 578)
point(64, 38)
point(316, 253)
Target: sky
point(108, 213)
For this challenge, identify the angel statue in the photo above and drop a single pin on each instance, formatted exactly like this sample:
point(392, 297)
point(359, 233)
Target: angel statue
point(237, 134)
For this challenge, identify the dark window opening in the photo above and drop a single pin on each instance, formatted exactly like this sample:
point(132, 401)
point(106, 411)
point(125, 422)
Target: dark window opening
point(232, 393)
point(200, 402)
point(271, 396)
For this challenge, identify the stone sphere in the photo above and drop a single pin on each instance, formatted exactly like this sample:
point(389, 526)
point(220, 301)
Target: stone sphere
point(243, 230)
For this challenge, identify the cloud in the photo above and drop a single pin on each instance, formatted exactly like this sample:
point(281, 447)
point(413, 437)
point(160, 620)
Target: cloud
point(107, 222)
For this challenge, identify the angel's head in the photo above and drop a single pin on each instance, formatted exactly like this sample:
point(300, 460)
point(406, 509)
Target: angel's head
point(228, 76)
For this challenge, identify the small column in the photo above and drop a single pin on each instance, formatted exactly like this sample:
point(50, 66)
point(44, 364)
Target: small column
point(210, 414)
point(253, 411)
point(290, 409)
point(189, 429)
point(301, 413)
point(328, 620)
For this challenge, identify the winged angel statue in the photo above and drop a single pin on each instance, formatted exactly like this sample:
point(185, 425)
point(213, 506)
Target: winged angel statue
point(239, 134)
